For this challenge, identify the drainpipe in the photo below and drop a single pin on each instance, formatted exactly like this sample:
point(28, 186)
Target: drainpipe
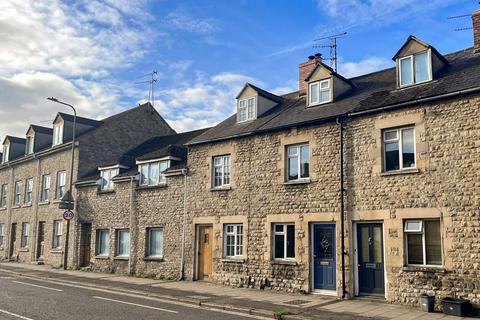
point(131, 228)
point(340, 122)
point(184, 224)
point(34, 201)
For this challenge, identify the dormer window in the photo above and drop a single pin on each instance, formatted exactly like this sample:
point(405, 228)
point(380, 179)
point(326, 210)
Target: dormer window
point(6, 151)
point(57, 134)
point(151, 173)
point(247, 109)
point(319, 92)
point(106, 178)
point(29, 145)
point(415, 69)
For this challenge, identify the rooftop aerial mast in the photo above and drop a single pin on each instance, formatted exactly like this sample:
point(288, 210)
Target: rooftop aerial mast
point(333, 48)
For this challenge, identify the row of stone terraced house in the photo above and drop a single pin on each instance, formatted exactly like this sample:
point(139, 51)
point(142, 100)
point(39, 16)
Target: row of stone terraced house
point(349, 186)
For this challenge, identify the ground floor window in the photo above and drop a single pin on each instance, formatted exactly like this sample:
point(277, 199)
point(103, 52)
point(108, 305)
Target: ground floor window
point(123, 243)
point(25, 233)
point(283, 241)
point(233, 240)
point(423, 242)
point(155, 242)
point(2, 234)
point(103, 243)
point(57, 234)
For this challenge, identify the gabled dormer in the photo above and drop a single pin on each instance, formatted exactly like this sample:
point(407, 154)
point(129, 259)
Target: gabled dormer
point(323, 85)
point(252, 102)
point(13, 148)
point(417, 62)
point(63, 127)
point(38, 138)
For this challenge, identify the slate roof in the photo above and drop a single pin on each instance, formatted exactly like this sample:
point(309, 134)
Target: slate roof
point(41, 129)
point(371, 91)
point(82, 120)
point(13, 139)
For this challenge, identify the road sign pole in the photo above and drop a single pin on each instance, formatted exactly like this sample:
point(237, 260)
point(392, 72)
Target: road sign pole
point(65, 255)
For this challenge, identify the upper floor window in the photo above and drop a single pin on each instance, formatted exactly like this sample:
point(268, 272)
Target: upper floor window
point(3, 199)
point(28, 191)
point(319, 92)
point(398, 148)
point(6, 152)
point(18, 193)
point(423, 242)
point(247, 109)
point(414, 69)
point(45, 188)
point(233, 240)
point(151, 173)
point(283, 241)
point(298, 162)
point(221, 171)
point(29, 145)
point(60, 187)
point(106, 176)
point(57, 134)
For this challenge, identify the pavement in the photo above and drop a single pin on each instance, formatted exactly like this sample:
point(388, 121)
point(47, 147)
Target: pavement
point(31, 291)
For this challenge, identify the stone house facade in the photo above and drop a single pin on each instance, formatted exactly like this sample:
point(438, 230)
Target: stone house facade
point(35, 174)
point(361, 186)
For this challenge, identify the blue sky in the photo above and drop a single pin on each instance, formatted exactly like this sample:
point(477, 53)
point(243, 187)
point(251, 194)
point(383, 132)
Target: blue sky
point(91, 52)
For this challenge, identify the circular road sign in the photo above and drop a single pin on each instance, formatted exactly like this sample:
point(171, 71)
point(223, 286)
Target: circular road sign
point(68, 215)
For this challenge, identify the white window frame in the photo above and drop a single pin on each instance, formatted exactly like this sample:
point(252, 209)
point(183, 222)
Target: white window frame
point(400, 147)
point(424, 247)
point(150, 254)
point(25, 235)
point(246, 108)
point(29, 144)
point(57, 134)
point(285, 240)
point(412, 66)
point(238, 246)
point(5, 152)
point(299, 164)
point(61, 178)
point(147, 181)
point(222, 165)
point(4, 196)
point(106, 176)
point(17, 194)
point(2, 234)
point(319, 91)
point(117, 244)
point(57, 234)
point(98, 245)
point(28, 191)
point(45, 194)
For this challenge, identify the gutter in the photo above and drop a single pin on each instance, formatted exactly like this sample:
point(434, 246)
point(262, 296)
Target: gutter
point(37, 155)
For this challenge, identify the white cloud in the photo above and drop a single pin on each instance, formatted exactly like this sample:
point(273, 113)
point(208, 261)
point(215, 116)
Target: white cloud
point(352, 69)
point(181, 20)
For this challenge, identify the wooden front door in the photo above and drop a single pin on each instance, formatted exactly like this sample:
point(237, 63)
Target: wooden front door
point(13, 240)
point(41, 240)
point(324, 257)
point(85, 240)
point(205, 237)
point(371, 277)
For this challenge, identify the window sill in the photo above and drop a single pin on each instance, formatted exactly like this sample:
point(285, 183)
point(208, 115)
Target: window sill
point(102, 257)
point(284, 262)
point(105, 191)
point(56, 201)
point(16, 207)
point(413, 85)
point(155, 259)
point(43, 203)
point(27, 205)
point(121, 258)
point(221, 188)
point(316, 104)
point(233, 260)
point(431, 269)
point(157, 186)
point(296, 182)
point(23, 250)
point(3, 209)
point(56, 251)
point(398, 172)
point(1, 248)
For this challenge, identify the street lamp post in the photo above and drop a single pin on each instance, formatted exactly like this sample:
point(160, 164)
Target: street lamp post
point(69, 194)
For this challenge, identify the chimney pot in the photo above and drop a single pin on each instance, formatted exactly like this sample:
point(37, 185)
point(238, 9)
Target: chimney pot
point(318, 56)
point(476, 30)
point(311, 57)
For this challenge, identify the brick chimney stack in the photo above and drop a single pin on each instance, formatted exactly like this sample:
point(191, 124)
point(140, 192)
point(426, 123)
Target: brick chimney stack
point(476, 30)
point(304, 70)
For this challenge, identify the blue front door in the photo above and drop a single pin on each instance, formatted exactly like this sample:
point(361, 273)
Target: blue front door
point(324, 257)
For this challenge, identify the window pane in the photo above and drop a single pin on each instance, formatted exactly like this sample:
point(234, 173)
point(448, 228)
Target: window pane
point(406, 71)
point(391, 135)
point(314, 93)
point(293, 168)
point(251, 108)
point(144, 174)
point(324, 84)
point(304, 162)
point(408, 152)
point(217, 176)
point(279, 246)
point(433, 243)
point(279, 227)
point(421, 67)
point(226, 170)
point(290, 241)
point(153, 174)
point(156, 242)
point(392, 161)
point(123, 243)
point(325, 95)
point(163, 167)
point(377, 245)
point(415, 248)
point(365, 241)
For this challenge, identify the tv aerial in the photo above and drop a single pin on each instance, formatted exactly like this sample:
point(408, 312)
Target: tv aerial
point(151, 80)
point(333, 48)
